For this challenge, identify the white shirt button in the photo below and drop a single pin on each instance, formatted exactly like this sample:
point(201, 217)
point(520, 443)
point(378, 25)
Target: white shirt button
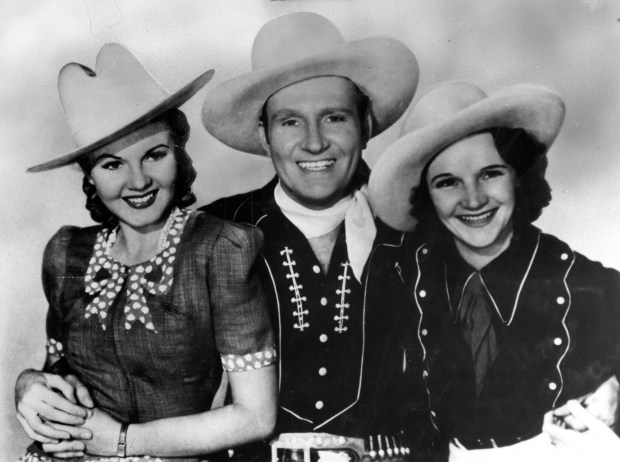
point(422, 293)
point(424, 250)
point(316, 269)
point(319, 405)
point(323, 338)
point(564, 256)
point(424, 374)
point(424, 332)
point(322, 371)
point(341, 440)
point(560, 300)
point(553, 386)
point(323, 301)
point(557, 341)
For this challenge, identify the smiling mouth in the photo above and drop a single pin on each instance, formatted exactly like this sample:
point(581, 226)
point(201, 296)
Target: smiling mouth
point(316, 165)
point(477, 219)
point(141, 202)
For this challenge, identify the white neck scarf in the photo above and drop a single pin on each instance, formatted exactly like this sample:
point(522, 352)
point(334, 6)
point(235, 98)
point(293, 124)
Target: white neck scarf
point(359, 224)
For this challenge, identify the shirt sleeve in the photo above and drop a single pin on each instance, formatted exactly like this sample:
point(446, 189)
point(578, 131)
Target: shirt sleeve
point(243, 332)
point(53, 276)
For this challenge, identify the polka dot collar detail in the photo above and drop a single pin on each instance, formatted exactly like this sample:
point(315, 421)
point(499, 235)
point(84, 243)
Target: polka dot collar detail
point(105, 276)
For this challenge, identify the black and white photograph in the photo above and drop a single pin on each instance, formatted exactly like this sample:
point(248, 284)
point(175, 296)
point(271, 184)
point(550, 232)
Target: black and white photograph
point(310, 230)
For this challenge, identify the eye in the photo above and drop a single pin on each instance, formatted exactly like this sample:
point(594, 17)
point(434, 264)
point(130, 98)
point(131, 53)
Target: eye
point(289, 123)
point(493, 173)
point(111, 164)
point(444, 183)
point(156, 155)
point(335, 118)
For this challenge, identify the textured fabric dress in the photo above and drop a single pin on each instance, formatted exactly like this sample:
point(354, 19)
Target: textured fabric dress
point(150, 341)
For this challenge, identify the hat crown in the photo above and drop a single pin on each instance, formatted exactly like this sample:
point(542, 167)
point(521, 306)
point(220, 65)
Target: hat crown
point(440, 103)
point(293, 37)
point(100, 102)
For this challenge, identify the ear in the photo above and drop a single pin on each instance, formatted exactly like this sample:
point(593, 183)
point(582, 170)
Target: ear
point(366, 129)
point(264, 139)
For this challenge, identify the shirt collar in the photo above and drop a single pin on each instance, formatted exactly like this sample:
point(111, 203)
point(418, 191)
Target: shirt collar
point(503, 278)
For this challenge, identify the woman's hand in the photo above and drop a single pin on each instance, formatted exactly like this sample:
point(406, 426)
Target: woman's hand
point(597, 442)
point(45, 400)
point(105, 431)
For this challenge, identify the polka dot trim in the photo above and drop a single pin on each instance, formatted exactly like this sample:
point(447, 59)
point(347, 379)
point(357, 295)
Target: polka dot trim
point(54, 348)
point(249, 361)
point(105, 276)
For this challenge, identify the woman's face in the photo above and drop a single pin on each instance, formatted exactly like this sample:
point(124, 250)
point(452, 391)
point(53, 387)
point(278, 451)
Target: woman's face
point(135, 176)
point(473, 191)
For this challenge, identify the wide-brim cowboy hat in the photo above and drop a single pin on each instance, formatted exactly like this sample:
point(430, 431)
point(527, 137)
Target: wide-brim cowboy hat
point(300, 46)
point(115, 99)
point(444, 115)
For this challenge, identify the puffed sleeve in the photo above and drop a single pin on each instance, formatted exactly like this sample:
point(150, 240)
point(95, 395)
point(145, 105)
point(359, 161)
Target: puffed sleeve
point(53, 278)
point(243, 332)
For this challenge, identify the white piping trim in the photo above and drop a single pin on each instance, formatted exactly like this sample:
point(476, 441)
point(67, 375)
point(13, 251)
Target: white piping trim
point(298, 416)
point(415, 295)
point(275, 289)
point(568, 305)
point(458, 308)
point(527, 272)
point(359, 386)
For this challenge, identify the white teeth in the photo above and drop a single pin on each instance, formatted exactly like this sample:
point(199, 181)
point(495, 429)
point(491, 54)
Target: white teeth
point(472, 218)
point(140, 200)
point(316, 166)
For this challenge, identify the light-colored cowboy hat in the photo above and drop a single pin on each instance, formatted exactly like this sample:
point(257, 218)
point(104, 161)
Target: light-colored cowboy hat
point(444, 115)
point(301, 46)
point(115, 99)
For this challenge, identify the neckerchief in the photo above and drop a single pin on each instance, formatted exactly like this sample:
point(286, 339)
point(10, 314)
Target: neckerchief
point(359, 224)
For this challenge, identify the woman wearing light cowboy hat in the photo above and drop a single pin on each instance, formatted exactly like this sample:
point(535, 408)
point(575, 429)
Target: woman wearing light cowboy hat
point(513, 321)
point(311, 103)
point(146, 309)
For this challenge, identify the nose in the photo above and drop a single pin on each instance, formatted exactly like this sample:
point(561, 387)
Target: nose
point(138, 179)
point(474, 197)
point(314, 140)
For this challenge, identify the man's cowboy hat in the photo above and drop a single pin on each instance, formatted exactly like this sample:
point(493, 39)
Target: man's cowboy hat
point(117, 98)
point(301, 46)
point(444, 115)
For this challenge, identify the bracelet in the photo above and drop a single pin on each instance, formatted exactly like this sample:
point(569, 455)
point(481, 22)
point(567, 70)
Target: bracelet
point(121, 450)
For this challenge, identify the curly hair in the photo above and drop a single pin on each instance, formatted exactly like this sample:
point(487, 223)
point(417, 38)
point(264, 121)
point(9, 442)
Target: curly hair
point(186, 173)
point(532, 192)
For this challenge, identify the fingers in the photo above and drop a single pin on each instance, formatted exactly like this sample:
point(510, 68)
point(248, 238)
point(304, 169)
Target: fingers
point(39, 431)
point(65, 449)
point(75, 433)
point(82, 393)
point(584, 417)
point(559, 434)
point(67, 404)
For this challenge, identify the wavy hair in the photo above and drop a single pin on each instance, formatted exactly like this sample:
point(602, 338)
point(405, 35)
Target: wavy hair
point(186, 173)
point(532, 191)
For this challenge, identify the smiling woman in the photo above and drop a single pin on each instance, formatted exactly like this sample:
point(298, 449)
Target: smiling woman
point(513, 321)
point(145, 309)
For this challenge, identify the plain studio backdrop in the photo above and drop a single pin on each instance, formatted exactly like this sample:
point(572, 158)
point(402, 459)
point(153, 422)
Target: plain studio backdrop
point(570, 46)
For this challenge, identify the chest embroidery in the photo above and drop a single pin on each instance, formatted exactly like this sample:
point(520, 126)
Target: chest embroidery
point(295, 288)
point(343, 305)
point(298, 300)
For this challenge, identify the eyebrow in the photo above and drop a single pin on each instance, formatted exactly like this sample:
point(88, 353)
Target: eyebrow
point(106, 155)
point(284, 113)
point(487, 167)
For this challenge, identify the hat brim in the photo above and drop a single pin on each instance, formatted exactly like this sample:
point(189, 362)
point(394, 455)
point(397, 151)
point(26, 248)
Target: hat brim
point(383, 68)
point(398, 171)
point(173, 101)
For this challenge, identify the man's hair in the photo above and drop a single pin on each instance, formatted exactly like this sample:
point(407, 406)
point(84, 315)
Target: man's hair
point(186, 173)
point(362, 104)
point(532, 192)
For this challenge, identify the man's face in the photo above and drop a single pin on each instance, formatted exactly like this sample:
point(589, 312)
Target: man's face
point(315, 137)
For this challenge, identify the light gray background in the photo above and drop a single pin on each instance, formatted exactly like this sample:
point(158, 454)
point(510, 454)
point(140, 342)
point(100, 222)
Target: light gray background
point(571, 46)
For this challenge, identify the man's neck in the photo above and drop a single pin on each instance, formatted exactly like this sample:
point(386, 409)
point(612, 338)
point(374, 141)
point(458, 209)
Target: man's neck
point(323, 247)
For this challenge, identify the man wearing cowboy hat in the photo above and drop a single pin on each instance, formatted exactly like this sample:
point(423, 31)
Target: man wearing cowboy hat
point(311, 103)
